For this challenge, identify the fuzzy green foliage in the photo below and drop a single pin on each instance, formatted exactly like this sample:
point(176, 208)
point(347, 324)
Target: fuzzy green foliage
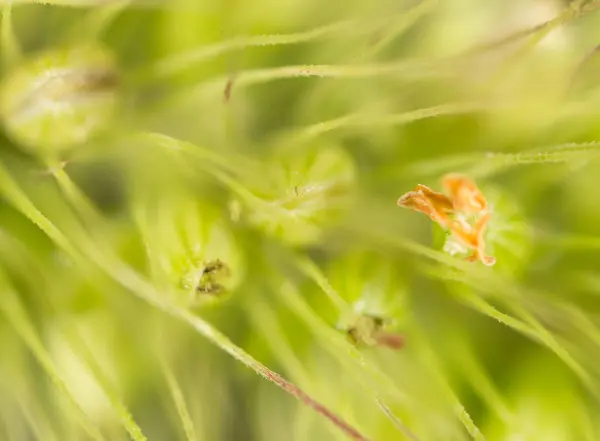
point(59, 98)
point(192, 188)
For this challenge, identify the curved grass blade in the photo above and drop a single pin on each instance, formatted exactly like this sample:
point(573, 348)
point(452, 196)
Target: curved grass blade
point(97, 21)
point(376, 380)
point(10, 51)
point(20, 379)
point(17, 317)
point(484, 164)
point(458, 407)
point(179, 400)
point(264, 319)
point(385, 120)
point(75, 339)
point(130, 280)
point(173, 64)
point(405, 21)
point(483, 279)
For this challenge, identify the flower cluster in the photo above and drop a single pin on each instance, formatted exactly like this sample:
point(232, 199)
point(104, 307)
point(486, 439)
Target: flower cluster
point(463, 210)
point(369, 330)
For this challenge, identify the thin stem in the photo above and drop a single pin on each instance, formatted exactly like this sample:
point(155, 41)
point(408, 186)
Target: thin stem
point(406, 20)
point(398, 424)
point(394, 119)
point(481, 382)
point(487, 281)
point(179, 400)
point(263, 317)
point(20, 381)
point(532, 31)
point(550, 341)
point(97, 21)
point(416, 70)
point(17, 317)
point(433, 365)
point(332, 342)
point(75, 339)
point(173, 64)
point(74, 194)
point(310, 269)
point(144, 290)
point(210, 159)
point(9, 46)
point(486, 164)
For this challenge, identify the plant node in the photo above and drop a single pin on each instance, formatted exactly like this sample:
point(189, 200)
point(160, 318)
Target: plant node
point(369, 330)
point(212, 279)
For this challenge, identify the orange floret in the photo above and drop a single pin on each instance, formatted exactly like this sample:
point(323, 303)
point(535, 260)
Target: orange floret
point(451, 212)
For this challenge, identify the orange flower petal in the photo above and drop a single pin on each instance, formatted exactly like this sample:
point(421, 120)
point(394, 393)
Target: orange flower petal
point(465, 199)
point(466, 196)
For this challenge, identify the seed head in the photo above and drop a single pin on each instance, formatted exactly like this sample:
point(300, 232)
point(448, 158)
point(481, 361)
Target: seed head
point(59, 98)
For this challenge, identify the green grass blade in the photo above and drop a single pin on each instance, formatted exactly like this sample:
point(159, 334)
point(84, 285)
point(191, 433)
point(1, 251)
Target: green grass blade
point(17, 317)
point(97, 21)
point(130, 280)
point(374, 121)
point(179, 401)
point(10, 50)
point(399, 26)
point(173, 64)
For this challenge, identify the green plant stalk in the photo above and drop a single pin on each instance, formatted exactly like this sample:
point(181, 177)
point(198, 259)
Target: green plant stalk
point(386, 120)
point(541, 28)
point(481, 382)
point(482, 279)
point(463, 416)
point(529, 326)
point(410, 70)
point(78, 199)
point(405, 21)
point(331, 340)
point(173, 64)
point(130, 280)
point(338, 346)
point(550, 341)
point(97, 21)
point(379, 38)
point(17, 317)
point(9, 46)
point(398, 424)
point(569, 13)
point(179, 401)
point(263, 318)
point(233, 163)
point(414, 70)
point(487, 164)
point(41, 426)
point(77, 342)
point(125, 417)
point(311, 270)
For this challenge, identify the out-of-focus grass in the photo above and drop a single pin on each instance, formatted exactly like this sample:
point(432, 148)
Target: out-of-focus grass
point(237, 207)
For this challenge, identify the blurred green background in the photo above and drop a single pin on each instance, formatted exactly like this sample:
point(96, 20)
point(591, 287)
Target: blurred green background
point(192, 188)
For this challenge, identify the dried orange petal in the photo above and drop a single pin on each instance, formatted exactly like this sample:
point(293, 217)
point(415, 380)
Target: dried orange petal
point(451, 212)
point(465, 195)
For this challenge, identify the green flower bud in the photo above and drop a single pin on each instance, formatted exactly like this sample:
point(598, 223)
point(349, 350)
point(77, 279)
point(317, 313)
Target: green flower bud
point(191, 251)
point(302, 191)
point(369, 283)
point(59, 98)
